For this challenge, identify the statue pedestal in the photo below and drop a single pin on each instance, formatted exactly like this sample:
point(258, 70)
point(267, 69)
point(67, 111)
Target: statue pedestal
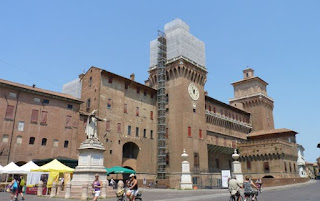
point(236, 171)
point(90, 163)
point(186, 182)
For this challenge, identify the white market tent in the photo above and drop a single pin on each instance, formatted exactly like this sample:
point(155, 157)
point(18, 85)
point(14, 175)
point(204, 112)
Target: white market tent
point(11, 168)
point(25, 169)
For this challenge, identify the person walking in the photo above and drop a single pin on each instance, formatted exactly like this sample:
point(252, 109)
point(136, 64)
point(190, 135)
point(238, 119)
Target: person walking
point(96, 185)
point(21, 184)
point(14, 188)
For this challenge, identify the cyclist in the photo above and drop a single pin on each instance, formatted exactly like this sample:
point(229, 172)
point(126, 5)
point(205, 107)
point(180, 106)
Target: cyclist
point(248, 191)
point(133, 188)
point(259, 184)
point(234, 187)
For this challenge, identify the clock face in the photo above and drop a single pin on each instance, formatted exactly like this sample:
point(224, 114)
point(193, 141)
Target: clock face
point(193, 91)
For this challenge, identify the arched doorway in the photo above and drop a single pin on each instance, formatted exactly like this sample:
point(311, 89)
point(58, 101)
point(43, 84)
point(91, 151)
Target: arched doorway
point(130, 152)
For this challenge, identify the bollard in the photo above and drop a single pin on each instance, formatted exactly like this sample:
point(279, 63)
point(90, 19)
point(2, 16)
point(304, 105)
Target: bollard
point(59, 189)
point(120, 184)
point(40, 185)
point(67, 191)
point(104, 189)
point(84, 193)
point(53, 189)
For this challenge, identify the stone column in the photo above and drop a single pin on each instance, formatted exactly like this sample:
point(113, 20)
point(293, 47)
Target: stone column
point(84, 192)
point(40, 185)
point(236, 167)
point(185, 182)
point(67, 191)
point(104, 189)
point(53, 189)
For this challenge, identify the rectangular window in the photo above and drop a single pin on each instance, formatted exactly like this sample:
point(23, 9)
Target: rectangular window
point(119, 128)
point(21, 126)
point(110, 79)
point(214, 110)
point(68, 121)
point(266, 167)
point(69, 106)
point(248, 165)
point(13, 95)
point(151, 134)
point(108, 125)
point(88, 104)
point(45, 101)
point(189, 131)
point(126, 85)
point(151, 115)
point(37, 100)
point(34, 116)
point(200, 134)
point(196, 160)
point(290, 167)
point(145, 93)
point(129, 130)
point(125, 108)
point(234, 144)
point(209, 108)
point(109, 103)
point(44, 116)
point(167, 159)
point(9, 112)
point(137, 131)
point(90, 81)
point(285, 167)
point(137, 111)
point(144, 133)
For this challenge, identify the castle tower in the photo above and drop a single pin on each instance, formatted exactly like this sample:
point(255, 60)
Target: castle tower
point(250, 94)
point(186, 75)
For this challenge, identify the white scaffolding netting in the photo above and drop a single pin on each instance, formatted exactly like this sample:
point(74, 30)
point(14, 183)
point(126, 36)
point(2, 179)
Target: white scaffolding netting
point(73, 88)
point(179, 43)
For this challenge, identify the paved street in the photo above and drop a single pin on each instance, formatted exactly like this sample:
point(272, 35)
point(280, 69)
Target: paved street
point(300, 192)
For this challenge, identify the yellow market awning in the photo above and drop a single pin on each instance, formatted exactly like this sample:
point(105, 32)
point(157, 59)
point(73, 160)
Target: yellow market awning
point(53, 166)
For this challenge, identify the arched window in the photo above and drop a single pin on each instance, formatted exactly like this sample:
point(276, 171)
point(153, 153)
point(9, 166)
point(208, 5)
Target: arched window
point(44, 142)
point(55, 143)
point(66, 144)
point(19, 139)
point(31, 140)
point(5, 138)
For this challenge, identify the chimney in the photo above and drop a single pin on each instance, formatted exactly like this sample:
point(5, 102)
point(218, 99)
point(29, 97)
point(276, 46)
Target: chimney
point(206, 93)
point(147, 82)
point(132, 77)
point(33, 86)
point(81, 76)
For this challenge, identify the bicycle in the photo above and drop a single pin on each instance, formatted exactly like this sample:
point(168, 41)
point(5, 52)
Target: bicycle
point(236, 197)
point(249, 196)
point(121, 195)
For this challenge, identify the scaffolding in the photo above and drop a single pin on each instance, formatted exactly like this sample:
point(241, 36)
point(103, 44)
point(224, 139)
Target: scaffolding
point(161, 101)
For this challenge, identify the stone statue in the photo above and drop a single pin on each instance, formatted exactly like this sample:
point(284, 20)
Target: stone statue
point(91, 128)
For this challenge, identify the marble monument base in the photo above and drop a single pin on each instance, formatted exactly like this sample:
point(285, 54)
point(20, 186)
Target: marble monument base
point(236, 167)
point(185, 182)
point(90, 163)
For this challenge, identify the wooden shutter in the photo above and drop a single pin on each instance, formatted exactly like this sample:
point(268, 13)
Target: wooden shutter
point(200, 133)
point(189, 131)
point(125, 108)
point(68, 122)
point(151, 115)
point(34, 116)
point(44, 115)
point(108, 125)
point(119, 128)
point(137, 111)
point(9, 112)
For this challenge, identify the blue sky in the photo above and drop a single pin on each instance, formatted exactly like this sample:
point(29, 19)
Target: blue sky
point(49, 43)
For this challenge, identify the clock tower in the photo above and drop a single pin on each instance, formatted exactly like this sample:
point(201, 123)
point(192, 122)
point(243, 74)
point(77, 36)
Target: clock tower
point(185, 77)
